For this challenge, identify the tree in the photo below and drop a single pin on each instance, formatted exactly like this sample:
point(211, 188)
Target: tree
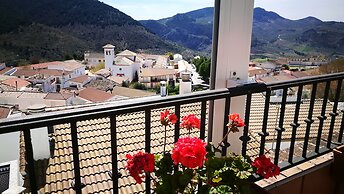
point(97, 67)
point(332, 67)
point(68, 57)
point(137, 85)
point(34, 60)
point(170, 55)
point(285, 67)
point(136, 77)
point(203, 67)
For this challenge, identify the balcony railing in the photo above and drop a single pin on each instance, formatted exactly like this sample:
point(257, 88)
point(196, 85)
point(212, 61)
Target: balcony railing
point(324, 140)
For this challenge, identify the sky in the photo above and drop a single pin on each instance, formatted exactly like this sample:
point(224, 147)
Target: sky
point(326, 10)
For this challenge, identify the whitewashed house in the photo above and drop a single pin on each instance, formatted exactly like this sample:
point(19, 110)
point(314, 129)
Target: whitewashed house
point(76, 68)
point(124, 64)
point(80, 82)
point(151, 77)
point(93, 59)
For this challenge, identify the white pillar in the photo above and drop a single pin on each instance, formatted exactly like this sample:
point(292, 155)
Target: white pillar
point(40, 143)
point(234, 43)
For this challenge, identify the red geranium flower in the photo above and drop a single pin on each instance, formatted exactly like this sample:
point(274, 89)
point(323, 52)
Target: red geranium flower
point(138, 163)
point(235, 122)
point(265, 167)
point(190, 121)
point(190, 152)
point(166, 118)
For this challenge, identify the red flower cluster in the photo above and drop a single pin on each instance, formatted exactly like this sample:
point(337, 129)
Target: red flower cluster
point(140, 162)
point(190, 121)
point(166, 118)
point(190, 152)
point(265, 167)
point(236, 122)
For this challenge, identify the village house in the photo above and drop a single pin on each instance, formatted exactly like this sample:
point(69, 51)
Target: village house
point(255, 73)
point(73, 66)
point(119, 80)
point(47, 80)
point(151, 77)
point(93, 59)
point(25, 99)
point(154, 61)
point(80, 82)
point(16, 83)
point(93, 95)
point(103, 73)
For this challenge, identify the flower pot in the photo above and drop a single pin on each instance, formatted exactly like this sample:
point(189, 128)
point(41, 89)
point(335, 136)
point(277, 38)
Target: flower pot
point(255, 189)
point(338, 163)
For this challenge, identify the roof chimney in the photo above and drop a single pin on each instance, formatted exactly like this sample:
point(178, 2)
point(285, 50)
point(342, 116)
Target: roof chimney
point(163, 90)
point(185, 85)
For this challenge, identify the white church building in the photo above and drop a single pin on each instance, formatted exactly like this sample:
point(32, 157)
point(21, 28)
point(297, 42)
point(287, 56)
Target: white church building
point(124, 64)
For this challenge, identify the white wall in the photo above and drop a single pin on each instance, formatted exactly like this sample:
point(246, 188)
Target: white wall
point(128, 71)
point(9, 144)
point(24, 103)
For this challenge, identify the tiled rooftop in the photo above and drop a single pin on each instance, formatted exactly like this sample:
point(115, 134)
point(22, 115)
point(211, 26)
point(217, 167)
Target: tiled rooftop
point(16, 82)
point(95, 151)
point(155, 72)
point(257, 110)
point(94, 95)
point(4, 112)
point(80, 79)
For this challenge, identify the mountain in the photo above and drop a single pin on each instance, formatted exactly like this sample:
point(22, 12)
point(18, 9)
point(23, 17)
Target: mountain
point(192, 30)
point(52, 29)
point(272, 34)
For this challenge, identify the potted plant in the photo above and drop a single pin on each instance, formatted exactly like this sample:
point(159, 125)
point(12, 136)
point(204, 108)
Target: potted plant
point(193, 167)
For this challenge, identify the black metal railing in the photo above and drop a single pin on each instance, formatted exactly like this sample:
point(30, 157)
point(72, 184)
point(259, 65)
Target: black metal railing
point(112, 110)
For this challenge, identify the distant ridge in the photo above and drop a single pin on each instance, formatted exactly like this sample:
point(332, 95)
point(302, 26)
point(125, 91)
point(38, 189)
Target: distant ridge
point(272, 34)
point(53, 29)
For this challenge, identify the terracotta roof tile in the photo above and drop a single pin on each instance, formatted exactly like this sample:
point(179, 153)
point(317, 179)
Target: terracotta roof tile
point(44, 65)
point(153, 72)
point(4, 112)
point(16, 82)
point(26, 72)
point(94, 95)
point(95, 150)
point(54, 72)
point(80, 79)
